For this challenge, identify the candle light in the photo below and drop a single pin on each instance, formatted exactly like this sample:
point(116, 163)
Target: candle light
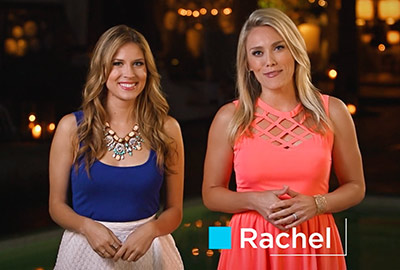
point(36, 131)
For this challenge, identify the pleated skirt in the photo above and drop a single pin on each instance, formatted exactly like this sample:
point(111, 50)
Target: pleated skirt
point(75, 253)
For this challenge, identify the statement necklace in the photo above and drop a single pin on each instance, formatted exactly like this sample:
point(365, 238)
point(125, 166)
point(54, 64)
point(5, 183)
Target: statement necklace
point(132, 141)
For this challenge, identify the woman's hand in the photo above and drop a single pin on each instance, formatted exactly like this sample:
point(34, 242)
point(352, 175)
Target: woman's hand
point(294, 211)
point(137, 243)
point(264, 199)
point(102, 240)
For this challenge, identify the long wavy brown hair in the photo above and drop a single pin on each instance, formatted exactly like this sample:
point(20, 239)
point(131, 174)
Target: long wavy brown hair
point(151, 106)
point(249, 89)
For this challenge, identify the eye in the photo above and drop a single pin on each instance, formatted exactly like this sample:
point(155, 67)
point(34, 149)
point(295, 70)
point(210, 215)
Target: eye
point(279, 47)
point(138, 63)
point(117, 63)
point(257, 53)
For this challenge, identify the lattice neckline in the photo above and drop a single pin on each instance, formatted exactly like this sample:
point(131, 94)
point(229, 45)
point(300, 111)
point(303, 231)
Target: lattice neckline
point(282, 129)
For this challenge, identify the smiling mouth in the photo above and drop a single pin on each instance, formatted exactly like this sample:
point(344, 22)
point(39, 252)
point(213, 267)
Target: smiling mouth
point(128, 85)
point(272, 74)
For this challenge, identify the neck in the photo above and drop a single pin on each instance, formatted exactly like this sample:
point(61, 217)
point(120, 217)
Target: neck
point(120, 113)
point(280, 99)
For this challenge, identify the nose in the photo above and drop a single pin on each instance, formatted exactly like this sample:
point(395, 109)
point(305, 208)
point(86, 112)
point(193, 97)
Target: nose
point(129, 71)
point(269, 59)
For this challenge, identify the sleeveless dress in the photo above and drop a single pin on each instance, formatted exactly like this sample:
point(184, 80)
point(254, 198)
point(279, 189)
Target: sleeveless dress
point(122, 199)
point(282, 151)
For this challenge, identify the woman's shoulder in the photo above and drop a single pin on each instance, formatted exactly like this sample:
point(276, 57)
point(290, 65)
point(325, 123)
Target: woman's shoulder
point(171, 126)
point(68, 123)
point(226, 112)
point(336, 107)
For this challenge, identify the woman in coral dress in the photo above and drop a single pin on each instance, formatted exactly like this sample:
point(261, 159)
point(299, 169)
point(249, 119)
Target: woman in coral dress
point(281, 137)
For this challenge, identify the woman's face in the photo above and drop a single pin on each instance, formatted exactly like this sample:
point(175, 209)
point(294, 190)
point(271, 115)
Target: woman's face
point(128, 74)
point(270, 59)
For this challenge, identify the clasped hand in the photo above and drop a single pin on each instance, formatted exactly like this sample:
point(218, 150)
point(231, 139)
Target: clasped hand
point(104, 242)
point(286, 213)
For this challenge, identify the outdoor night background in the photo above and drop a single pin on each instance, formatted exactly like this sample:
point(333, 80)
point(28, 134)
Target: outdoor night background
point(45, 46)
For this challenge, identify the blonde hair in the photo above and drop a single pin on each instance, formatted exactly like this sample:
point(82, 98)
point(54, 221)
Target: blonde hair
point(249, 89)
point(151, 106)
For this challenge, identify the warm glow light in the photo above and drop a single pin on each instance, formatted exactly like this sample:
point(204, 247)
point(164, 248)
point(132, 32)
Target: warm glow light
point(182, 12)
point(174, 62)
point(30, 28)
point(311, 1)
point(17, 31)
point(381, 47)
point(360, 22)
point(389, 9)
point(199, 223)
point(352, 108)
point(393, 37)
point(186, 225)
point(332, 74)
point(214, 11)
point(311, 35)
point(189, 12)
point(51, 127)
point(39, 268)
point(31, 125)
point(227, 11)
point(366, 38)
point(217, 223)
point(322, 3)
point(195, 252)
point(198, 26)
point(209, 253)
point(22, 45)
point(36, 131)
point(365, 9)
point(203, 11)
point(390, 21)
point(32, 117)
point(196, 13)
point(10, 46)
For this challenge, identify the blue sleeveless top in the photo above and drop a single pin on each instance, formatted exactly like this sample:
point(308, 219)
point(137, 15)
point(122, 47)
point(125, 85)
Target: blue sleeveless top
point(114, 193)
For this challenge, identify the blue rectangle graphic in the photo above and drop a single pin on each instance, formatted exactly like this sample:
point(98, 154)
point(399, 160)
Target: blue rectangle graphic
point(219, 237)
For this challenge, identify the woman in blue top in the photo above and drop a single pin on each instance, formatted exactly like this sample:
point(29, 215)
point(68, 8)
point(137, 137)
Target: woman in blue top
point(114, 155)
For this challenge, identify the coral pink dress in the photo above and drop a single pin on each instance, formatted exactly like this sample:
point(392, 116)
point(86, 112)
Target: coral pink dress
point(282, 151)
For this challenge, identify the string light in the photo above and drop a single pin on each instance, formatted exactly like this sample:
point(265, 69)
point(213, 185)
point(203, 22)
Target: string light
point(381, 47)
point(195, 252)
point(209, 253)
point(36, 131)
point(352, 108)
point(227, 11)
point(214, 12)
point(198, 223)
point(332, 74)
point(51, 127)
point(32, 118)
point(217, 223)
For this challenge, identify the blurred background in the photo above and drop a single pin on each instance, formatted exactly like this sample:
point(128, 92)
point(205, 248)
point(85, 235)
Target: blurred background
point(45, 47)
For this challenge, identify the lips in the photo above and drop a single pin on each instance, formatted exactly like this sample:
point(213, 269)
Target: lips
point(272, 74)
point(128, 85)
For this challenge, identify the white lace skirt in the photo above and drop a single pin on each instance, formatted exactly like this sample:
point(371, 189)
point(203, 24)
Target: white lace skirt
point(75, 253)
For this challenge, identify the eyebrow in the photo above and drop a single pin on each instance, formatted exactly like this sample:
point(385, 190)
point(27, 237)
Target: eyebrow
point(122, 60)
point(272, 45)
